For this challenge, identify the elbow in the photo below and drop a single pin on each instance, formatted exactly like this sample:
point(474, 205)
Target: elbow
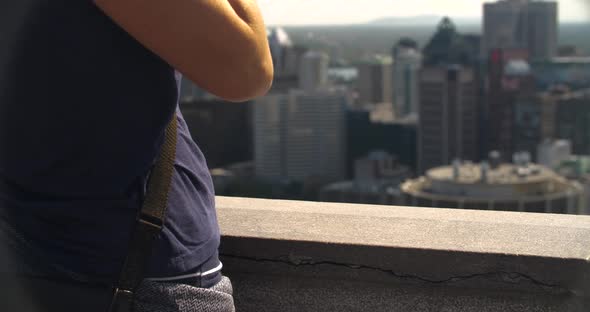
point(236, 81)
point(266, 77)
point(249, 82)
point(238, 70)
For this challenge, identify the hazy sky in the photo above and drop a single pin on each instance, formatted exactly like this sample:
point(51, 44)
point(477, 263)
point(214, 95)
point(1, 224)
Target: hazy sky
point(298, 12)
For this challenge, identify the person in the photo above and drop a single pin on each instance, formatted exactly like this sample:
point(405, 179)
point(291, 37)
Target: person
point(87, 89)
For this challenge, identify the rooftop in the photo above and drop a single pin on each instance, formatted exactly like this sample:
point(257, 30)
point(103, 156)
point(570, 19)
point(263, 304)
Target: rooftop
point(519, 186)
point(470, 173)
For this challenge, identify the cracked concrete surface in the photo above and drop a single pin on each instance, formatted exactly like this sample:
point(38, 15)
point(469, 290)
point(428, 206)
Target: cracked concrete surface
point(279, 286)
point(454, 260)
point(511, 278)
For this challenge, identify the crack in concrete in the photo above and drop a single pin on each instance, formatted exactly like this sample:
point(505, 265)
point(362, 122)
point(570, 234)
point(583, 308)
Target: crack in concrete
point(506, 277)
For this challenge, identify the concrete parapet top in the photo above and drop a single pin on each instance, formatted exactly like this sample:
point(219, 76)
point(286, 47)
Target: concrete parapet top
point(533, 234)
point(432, 244)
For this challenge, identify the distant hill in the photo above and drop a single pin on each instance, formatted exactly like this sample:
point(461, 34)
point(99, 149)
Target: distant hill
point(352, 43)
point(422, 20)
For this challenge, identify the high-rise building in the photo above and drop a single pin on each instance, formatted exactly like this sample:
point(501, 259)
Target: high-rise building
point(572, 120)
point(281, 49)
point(286, 59)
point(448, 112)
point(510, 81)
point(521, 24)
point(313, 71)
point(572, 72)
point(374, 80)
point(270, 135)
point(448, 116)
point(543, 25)
point(369, 129)
point(407, 62)
point(447, 46)
point(533, 122)
point(316, 136)
point(556, 114)
point(301, 134)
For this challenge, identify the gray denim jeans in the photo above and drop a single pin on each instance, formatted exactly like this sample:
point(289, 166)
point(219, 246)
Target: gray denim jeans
point(28, 284)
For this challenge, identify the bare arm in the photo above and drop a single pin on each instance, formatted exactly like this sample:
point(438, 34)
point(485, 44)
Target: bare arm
point(219, 44)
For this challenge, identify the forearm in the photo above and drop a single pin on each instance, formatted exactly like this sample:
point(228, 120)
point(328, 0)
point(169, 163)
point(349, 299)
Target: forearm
point(219, 44)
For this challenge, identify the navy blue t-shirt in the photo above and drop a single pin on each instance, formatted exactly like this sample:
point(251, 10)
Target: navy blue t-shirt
point(83, 108)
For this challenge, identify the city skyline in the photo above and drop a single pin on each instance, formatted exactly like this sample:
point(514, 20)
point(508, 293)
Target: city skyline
point(309, 12)
point(420, 102)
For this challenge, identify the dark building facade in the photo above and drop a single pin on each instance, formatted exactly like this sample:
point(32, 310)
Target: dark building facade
point(510, 84)
point(572, 121)
point(448, 115)
point(374, 81)
point(450, 107)
point(529, 121)
point(572, 72)
point(521, 24)
point(447, 46)
point(552, 115)
point(223, 130)
point(364, 136)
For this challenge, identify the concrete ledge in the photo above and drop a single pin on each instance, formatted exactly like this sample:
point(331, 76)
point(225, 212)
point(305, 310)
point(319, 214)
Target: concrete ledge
point(544, 254)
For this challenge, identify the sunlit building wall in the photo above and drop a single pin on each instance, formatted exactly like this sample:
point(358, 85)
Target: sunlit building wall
point(301, 134)
point(374, 81)
point(406, 67)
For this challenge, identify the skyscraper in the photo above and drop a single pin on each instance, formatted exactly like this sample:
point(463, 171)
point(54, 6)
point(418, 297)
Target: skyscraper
point(532, 113)
point(315, 135)
point(368, 131)
point(313, 71)
point(286, 59)
point(510, 84)
point(572, 120)
point(281, 48)
point(448, 46)
point(374, 80)
point(270, 135)
point(521, 24)
point(407, 62)
point(448, 126)
point(449, 109)
point(301, 134)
